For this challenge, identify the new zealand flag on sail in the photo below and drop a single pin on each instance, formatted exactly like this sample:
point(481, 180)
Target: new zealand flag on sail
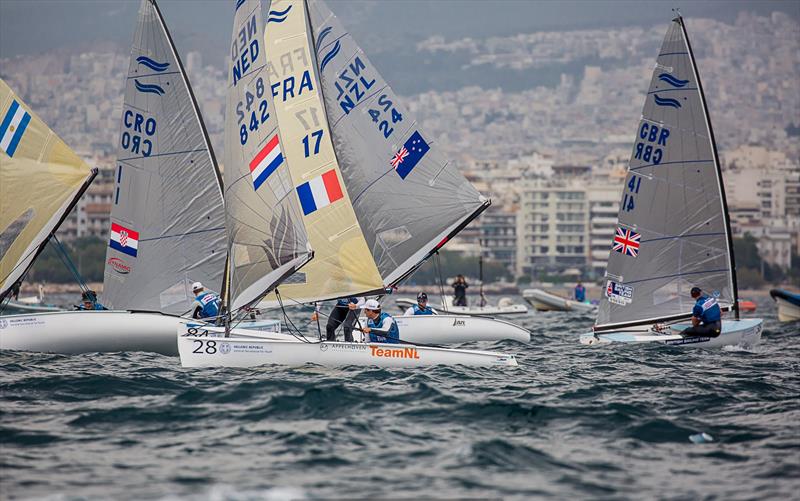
point(409, 155)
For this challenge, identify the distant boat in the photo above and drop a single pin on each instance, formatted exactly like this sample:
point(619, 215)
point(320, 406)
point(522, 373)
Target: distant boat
point(32, 303)
point(788, 304)
point(546, 301)
point(674, 229)
point(505, 306)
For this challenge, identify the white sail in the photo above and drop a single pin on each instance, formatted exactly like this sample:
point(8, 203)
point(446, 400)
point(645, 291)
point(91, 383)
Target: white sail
point(167, 217)
point(674, 232)
point(266, 234)
point(41, 180)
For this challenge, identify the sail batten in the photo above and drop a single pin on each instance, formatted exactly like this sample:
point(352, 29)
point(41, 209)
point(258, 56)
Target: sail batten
point(673, 232)
point(167, 217)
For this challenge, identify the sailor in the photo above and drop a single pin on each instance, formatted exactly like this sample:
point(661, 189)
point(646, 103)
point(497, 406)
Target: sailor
point(421, 308)
point(580, 293)
point(344, 313)
point(706, 316)
point(89, 301)
point(206, 303)
point(460, 291)
point(381, 327)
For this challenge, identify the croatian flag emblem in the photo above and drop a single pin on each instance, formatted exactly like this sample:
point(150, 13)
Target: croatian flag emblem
point(13, 127)
point(627, 242)
point(266, 162)
point(124, 240)
point(409, 155)
point(319, 192)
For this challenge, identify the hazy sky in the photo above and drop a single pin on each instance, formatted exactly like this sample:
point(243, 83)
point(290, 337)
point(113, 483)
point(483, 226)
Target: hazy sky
point(34, 26)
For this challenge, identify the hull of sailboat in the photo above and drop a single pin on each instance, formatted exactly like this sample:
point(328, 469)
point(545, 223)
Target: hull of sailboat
point(72, 332)
point(430, 329)
point(236, 351)
point(788, 305)
point(486, 311)
point(544, 301)
point(746, 333)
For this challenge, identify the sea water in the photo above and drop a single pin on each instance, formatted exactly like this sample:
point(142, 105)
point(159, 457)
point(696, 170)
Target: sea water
point(572, 421)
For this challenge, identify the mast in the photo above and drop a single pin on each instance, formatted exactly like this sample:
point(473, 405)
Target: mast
point(725, 214)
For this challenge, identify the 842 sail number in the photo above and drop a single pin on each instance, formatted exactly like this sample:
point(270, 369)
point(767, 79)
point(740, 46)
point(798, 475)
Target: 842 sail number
point(252, 119)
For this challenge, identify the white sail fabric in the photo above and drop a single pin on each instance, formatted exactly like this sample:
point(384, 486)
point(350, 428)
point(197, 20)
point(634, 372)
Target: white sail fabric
point(673, 231)
point(41, 180)
point(342, 264)
point(408, 198)
point(266, 234)
point(167, 217)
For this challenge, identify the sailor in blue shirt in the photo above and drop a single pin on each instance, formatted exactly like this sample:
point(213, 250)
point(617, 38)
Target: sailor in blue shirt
point(381, 327)
point(206, 303)
point(421, 308)
point(706, 316)
point(580, 293)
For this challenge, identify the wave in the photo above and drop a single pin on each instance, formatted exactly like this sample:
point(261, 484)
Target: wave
point(239, 3)
point(675, 82)
point(666, 101)
point(278, 16)
point(322, 36)
point(152, 64)
point(330, 55)
point(148, 88)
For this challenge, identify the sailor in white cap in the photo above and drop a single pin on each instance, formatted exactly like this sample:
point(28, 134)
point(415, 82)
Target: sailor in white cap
point(381, 327)
point(206, 303)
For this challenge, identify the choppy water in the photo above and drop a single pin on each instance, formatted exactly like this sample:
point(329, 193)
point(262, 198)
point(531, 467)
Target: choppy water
point(572, 421)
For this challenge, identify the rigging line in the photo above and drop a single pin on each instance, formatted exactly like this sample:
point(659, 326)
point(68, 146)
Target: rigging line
point(437, 265)
point(62, 254)
point(297, 334)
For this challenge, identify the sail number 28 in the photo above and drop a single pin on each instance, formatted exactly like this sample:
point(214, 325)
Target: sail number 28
point(634, 183)
point(250, 120)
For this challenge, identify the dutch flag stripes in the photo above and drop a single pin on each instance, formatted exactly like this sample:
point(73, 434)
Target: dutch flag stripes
point(319, 192)
point(266, 162)
point(13, 127)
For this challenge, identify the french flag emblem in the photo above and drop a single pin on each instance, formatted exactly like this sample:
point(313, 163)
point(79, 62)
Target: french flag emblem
point(124, 240)
point(266, 162)
point(319, 192)
point(13, 127)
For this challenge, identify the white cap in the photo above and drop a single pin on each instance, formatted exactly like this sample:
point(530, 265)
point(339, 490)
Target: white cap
point(372, 304)
point(197, 286)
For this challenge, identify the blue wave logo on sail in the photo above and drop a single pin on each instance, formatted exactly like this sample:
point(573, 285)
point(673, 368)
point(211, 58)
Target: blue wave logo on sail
point(148, 88)
point(322, 36)
point(665, 101)
point(239, 3)
point(278, 16)
point(152, 64)
point(675, 82)
point(330, 55)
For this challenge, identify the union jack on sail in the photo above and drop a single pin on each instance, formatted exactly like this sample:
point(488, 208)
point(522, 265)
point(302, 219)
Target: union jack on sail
point(627, 242)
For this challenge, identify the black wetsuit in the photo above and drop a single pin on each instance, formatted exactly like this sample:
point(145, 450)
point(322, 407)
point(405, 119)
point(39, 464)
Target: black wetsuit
point(342, 315)
point(460, 293)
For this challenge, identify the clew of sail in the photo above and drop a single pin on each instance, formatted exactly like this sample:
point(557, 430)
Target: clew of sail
point(342, 264)
point(673, 232)
point(407, 196)
point(41, 180)
point(266, 234)
point(167, 217)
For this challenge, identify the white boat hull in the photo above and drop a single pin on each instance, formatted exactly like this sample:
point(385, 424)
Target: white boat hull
point(206, 347)
point(487, 311)
point(745, 332)
point(544, 301)
point(32, 307)
point(72, 332)
point(433, 329)
point(787, 312)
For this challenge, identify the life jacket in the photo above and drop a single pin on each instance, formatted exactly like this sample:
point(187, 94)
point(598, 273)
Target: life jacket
point(709, 310)
point(393, 336)
point(209, 304)
point(580, 293)
point(420, 311)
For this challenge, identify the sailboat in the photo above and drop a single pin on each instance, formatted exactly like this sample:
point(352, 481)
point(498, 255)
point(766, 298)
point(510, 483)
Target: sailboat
point(402, 200)
point(41, 180)
point(167, 220)
point(286, 160)
point(674, 229)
